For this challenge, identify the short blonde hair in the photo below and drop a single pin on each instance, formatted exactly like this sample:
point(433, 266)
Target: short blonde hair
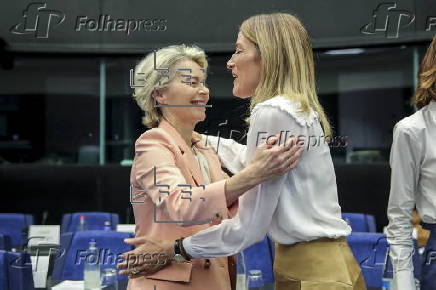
point(286, 60)
point(151, 79)
point(426, 91)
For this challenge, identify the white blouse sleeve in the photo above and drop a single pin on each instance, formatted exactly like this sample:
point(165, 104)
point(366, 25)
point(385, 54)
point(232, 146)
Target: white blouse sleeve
point(257, 206)
point(405, 164)
point(231, 153)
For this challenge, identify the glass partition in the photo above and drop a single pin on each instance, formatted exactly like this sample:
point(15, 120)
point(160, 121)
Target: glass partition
point(60, 109)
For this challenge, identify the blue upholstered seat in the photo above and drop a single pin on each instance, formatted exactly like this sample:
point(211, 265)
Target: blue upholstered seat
point(359, 222)
point(370, 250)
point(69, 266)
point(15, 225)
point(15, 271)
point(260, 257)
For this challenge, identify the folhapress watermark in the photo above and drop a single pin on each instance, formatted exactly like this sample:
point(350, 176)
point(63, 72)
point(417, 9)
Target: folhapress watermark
point(105, 23)
point(107, 257)
point(388, 20)
point(38, 20)
point(304, 140)
point(430, 257)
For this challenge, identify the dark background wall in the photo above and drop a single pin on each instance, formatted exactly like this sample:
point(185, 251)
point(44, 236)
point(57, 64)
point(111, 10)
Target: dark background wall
point(211, 24)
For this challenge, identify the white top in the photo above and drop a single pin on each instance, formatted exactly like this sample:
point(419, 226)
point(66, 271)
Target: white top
point(302, 205)
point(413, 182)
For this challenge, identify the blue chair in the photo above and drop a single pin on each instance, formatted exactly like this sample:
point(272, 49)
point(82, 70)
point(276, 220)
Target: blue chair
point(260, 257)
point(359, 222)
point(69, 266)
point(16, 227)
point(370, 250)
point(94, 220)
point(15, 271)
point(5, 242)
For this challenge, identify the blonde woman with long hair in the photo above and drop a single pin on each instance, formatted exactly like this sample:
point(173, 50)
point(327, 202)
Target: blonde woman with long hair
point(413, 180)
point(273, 64)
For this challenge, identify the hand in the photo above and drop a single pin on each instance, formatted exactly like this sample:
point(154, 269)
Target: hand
point(272, 159)
point(148, 257)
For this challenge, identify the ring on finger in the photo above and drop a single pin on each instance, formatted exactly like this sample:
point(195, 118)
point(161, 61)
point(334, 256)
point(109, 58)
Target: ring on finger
point(135, 271)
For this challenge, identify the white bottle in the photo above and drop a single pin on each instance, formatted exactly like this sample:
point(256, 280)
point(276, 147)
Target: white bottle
point(107, 226)
point(255, 280)
point(82, 224)
point(241, 278)
point(91, 269)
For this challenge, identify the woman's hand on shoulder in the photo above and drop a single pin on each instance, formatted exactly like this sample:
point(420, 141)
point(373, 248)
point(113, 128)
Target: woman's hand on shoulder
point(273, 159)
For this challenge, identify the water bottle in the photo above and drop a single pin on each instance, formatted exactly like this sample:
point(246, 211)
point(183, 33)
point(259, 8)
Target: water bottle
point(107, 226)
point(388, 274)
point(82, 224)
point(255, 280)
point(109, 280)
point(91, 271)
point(240, 272)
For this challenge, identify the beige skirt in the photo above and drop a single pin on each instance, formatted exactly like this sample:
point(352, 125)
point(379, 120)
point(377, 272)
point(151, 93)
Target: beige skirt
point(322, 264)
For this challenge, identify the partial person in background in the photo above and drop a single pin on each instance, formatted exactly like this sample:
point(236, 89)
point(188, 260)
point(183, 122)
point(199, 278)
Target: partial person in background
point(413, 181)
point(273, 64)
point(177, 185)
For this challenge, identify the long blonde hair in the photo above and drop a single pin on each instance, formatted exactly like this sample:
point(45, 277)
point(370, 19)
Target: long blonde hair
point(426, 90)
point(286, 60)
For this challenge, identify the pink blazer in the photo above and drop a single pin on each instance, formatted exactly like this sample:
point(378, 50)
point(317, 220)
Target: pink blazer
point(170, 201)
